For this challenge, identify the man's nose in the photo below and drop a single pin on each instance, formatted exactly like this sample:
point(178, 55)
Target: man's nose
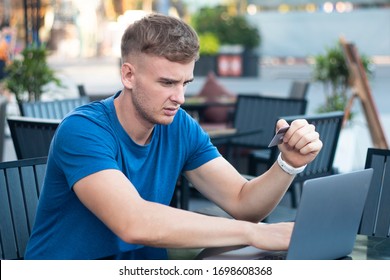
point(178, 97)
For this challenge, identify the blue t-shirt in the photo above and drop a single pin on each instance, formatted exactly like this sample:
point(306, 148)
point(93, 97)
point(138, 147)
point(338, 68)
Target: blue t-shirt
point(89, 140)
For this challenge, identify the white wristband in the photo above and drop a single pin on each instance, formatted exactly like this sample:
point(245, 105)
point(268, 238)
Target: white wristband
point(288, 168)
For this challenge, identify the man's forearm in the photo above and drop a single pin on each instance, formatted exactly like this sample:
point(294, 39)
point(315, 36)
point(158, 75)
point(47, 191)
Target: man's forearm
point(262, 194)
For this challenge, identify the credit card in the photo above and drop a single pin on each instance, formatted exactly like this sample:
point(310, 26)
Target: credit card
point(278, 137)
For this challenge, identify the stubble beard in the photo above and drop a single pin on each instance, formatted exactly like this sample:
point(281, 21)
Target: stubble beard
point(148, 114)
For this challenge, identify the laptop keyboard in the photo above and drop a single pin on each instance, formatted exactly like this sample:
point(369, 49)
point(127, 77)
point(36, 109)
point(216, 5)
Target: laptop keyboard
point(277, 255)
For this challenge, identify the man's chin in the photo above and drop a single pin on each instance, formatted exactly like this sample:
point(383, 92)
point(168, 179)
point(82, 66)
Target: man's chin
point(165, 120)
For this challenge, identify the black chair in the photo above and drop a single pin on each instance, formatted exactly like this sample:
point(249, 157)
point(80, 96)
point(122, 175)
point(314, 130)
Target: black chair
point(32, 136)
point(56, 109)
point(20, 186)
point(81, 90)
point(256, 112)
point(376, 214)
point(328, 126)
point(3, 113)
point(299, 89)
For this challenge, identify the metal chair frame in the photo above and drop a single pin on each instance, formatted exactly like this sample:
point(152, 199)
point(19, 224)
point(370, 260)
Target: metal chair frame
point(20, 186)
point(32, 136)
point(376, 214)
point(56, 109)
point(299, 89)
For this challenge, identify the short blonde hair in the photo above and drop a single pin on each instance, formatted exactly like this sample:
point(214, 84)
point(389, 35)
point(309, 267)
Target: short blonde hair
point(163, 36)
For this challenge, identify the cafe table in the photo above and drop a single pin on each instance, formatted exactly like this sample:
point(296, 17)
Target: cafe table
point(365, 248)
point(371, 248)
point(196, 105)
point(200, 102)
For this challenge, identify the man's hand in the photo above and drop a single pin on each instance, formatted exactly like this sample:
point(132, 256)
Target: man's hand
point(274, 236)
point(301, 143)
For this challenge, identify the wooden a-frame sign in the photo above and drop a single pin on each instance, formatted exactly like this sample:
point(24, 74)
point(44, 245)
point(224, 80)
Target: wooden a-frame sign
point(361, 89)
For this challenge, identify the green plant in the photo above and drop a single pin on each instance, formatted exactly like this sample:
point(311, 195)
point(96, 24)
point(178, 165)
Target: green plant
point(229, 29)
point(28, 75)
point(332, 71)
point(209, 43)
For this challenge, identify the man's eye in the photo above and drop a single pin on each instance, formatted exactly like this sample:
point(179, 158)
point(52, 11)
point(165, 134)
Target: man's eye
point(167, 83)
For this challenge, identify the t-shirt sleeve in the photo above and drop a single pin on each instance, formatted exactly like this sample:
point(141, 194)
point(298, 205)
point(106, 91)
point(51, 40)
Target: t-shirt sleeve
point(200, 148)
point(82, 147)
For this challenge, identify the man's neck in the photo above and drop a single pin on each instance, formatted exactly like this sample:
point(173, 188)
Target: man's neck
point(130, 120)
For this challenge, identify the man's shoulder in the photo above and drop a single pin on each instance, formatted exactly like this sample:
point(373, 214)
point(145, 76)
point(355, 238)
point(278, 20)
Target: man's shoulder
point(183, 119)
point(96, 110)
point(88, 118)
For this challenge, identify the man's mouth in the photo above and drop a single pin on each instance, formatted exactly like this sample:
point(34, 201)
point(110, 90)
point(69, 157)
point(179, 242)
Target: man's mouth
point(171, 111)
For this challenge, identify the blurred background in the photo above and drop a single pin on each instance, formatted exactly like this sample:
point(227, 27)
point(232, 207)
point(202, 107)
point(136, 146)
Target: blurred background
point(294, 29)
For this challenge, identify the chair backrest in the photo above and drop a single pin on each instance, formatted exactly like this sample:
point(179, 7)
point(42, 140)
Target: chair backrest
point(376, 214)
point(81, 90)
point(299, 89)
point(56, 109)
point(3, 111)
point(32, 136)
point(328, 125)
point(256, 112)
point(20, 186)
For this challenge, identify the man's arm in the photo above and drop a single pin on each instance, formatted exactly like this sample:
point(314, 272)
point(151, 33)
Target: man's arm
point(254, 200)
point(242, 199)
point(115, 201)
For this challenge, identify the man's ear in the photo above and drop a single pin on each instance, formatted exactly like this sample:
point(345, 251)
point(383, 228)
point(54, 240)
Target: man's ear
point(127, 74)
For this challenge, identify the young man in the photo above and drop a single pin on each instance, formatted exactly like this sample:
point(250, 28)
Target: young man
point(113, 165)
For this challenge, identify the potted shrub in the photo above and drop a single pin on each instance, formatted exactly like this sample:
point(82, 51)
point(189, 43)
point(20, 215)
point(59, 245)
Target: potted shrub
point(231, 29)
point(332, 71)
point(27, 76)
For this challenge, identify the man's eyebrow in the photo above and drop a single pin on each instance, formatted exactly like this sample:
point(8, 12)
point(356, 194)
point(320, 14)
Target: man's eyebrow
point(175, 81)
point(168, 80)
point(189, 81)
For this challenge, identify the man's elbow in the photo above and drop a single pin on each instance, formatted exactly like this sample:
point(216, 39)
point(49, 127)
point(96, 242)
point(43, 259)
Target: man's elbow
point(138, 235)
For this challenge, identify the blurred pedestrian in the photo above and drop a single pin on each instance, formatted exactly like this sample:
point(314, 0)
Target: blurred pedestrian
point(4, 54)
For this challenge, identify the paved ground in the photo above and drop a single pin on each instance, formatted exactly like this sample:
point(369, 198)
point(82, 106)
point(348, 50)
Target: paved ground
point(101, 76)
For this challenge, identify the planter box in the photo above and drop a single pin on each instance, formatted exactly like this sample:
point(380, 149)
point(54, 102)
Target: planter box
point(205, 65)
point(248, 64)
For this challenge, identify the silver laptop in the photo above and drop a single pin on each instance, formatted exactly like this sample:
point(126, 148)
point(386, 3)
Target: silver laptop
point(326, 223)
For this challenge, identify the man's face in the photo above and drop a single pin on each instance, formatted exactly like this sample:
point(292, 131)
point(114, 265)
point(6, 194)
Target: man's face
point(158, 87)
